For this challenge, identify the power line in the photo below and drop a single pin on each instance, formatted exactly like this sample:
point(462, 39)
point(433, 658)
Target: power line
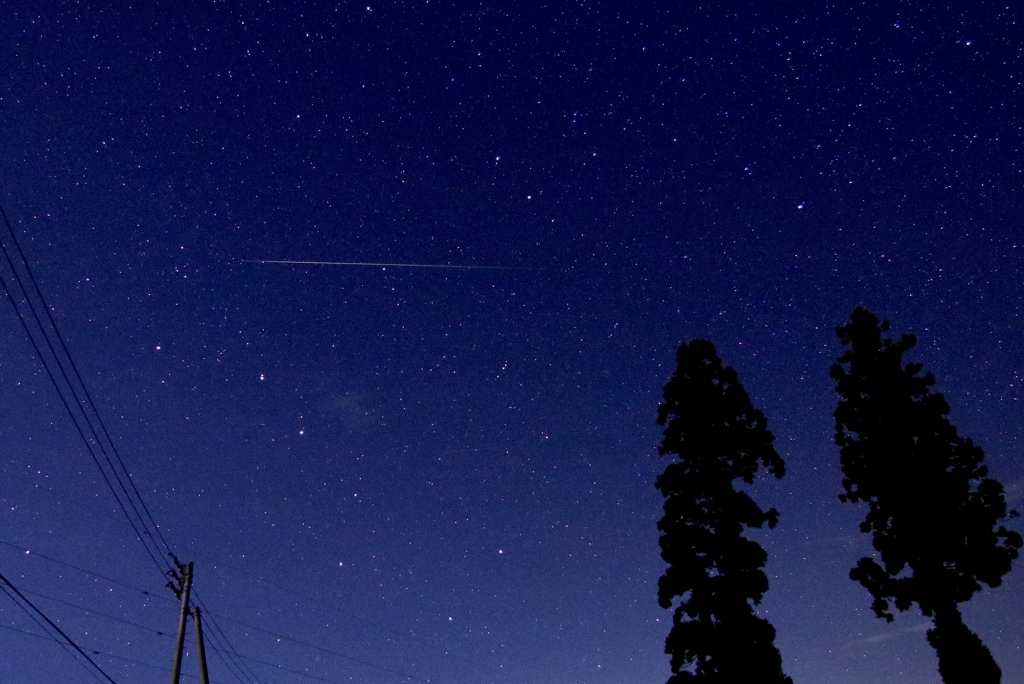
point(211, 617)
point(80, 402)
point(227, 653)
point(420, 641)
point(282, 668)
point(224, 651)
point(25, 602)
point(237, 660)
point(89, 412)
point(155, 667)
point(125, 493)
point(67, 407)
point(367, 663)
point(47, 634)
point(320, 603)
point(82, 570)
point(96, 612)
point(49, 637)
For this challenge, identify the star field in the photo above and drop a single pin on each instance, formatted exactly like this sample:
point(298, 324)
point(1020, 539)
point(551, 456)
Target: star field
point(389, 473)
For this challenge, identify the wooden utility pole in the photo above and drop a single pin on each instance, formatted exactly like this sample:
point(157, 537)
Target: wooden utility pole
point(182, 589)
point(204, 677)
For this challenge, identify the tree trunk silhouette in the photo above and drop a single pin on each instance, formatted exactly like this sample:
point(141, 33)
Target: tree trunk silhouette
point(963, 658)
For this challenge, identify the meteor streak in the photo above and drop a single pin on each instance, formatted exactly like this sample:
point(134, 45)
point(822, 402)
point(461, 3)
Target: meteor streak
point(376, 264)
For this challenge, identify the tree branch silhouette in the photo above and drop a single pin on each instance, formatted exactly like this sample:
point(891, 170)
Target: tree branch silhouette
point(715, 574)
point(933, 513)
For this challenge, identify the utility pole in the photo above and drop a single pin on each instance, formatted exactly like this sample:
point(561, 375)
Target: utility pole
point(204, 677)
point(181, 585)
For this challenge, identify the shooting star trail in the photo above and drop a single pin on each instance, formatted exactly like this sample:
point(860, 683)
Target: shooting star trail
point(378, 265)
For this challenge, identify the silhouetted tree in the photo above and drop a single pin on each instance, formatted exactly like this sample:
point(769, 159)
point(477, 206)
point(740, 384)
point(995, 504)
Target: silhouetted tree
point(932, 511)
point(714, 571)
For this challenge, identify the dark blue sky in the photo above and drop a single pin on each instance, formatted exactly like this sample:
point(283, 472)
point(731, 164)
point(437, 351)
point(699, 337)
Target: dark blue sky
point(447, 474)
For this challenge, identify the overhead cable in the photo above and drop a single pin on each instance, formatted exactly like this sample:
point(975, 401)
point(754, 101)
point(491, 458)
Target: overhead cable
point(142, 522)
point(25, 602)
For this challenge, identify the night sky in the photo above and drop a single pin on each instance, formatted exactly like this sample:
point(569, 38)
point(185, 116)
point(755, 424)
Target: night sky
point(410, 473)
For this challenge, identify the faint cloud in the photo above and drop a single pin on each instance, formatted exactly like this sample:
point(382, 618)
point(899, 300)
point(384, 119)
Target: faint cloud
point(353, 408)
point(890, 634)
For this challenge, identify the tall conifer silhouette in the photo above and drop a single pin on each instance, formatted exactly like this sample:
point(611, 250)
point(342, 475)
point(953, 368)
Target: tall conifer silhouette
point(715, 574)
point(933, 513)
